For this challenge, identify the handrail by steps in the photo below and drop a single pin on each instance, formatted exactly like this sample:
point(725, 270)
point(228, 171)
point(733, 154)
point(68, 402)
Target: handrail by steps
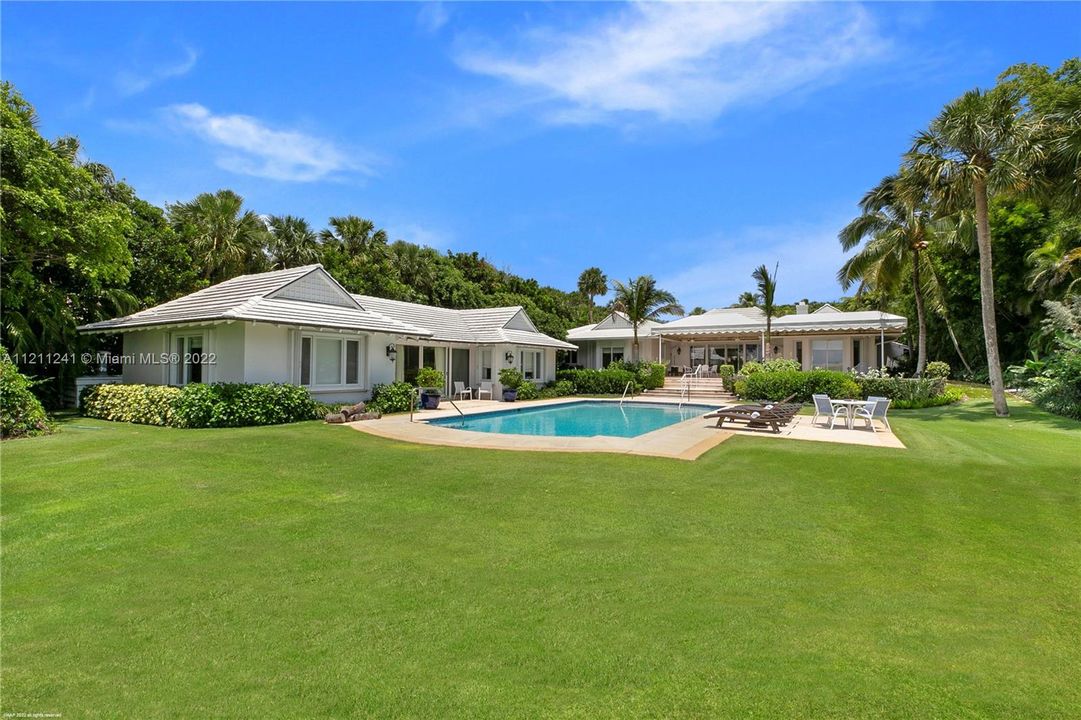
point(413, 405)
point(625, 389)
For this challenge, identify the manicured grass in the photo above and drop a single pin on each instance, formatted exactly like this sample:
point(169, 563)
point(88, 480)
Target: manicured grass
point(314, 571)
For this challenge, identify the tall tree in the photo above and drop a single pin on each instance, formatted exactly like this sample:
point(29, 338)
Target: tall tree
point(591, 283)
point(226, 240)
point(767, 288)
point(292, 243)
point(897, 224)
point(641, 300)
point(980, 144)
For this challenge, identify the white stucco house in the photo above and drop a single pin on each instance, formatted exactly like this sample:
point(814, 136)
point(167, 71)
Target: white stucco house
point(301, 326)
point(827, 338)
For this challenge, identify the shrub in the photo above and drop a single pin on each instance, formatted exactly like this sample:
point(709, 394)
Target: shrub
point(901, 389)
point(750, 368)
point(21, 413)
point(948, 396)
point(142, 404)
point(937, 369)
point(727, 373)
point(779, 365)
point(528, 391)
point(431, 378)
point(560, 388)
point(780, 384)
point(510, 377)
point(392, 398)
point(1058, 388)
point(610, 381)
point(646, 374)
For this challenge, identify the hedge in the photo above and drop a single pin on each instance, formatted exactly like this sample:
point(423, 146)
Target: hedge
point(779, 385)
point(610, 381)
point(21, 413)
point(198, 405)
point(143, 404)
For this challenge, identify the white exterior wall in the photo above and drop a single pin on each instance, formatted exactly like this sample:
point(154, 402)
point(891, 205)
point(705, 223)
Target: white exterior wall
point(227, 343)
point(381, 369)
point(140, 343)
point(266, 357)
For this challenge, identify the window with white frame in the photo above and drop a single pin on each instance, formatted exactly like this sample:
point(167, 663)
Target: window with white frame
point(485, 364)
point(531, 363)
point(189, 359)
point(827, 354)
point(328, 361)
point(610, 355)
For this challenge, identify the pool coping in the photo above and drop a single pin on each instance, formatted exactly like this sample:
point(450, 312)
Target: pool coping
point(685, 440)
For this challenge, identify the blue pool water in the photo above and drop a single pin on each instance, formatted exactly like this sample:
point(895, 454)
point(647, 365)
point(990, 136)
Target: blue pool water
point(578, 419)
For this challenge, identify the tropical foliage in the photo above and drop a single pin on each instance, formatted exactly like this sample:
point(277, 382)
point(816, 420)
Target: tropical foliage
point(641, 300)
point(980, 224)
point(21, 413)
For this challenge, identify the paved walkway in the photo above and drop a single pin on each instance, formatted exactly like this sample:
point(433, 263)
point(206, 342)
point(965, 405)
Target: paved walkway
point(685, 440)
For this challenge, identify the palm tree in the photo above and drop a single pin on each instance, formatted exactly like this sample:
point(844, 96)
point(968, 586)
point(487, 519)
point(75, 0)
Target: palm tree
point(591, 283)
point(355, 235)
point(416, 266)
point(897, 224)
point(980, 144)
point(226, 239)
point(767, 288)
point(641, 300)
point(746, 300)
point(292, 242)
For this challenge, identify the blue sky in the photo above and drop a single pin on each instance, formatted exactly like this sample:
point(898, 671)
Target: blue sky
point(689, 141)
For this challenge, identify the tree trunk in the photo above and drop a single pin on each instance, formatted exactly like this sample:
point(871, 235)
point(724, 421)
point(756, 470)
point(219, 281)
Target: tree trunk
point(921, 318)
point(634, 354)
point(956, 345)
point(987, 298)
point(767, 351)
point(590, 309)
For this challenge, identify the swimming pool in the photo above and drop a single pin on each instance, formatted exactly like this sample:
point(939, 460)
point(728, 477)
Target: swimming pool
point(577, 419)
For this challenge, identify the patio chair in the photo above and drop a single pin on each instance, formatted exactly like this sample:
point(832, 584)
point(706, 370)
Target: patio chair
point(485, 388)
point(875, 409)
point(823, 406)
point(461, 392)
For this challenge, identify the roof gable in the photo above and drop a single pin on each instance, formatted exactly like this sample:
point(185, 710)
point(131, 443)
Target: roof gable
point(317, 286)
point(827, 308)
point(520, 321)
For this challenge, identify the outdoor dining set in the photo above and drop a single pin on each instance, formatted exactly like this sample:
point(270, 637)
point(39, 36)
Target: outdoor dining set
point(775, 415)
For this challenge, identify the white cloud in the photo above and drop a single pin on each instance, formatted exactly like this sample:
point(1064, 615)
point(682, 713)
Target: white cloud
point(682, 62)
point(719, 268)
point(432, 16)
point(253, 148)
point(129, 82)
point(421, 235)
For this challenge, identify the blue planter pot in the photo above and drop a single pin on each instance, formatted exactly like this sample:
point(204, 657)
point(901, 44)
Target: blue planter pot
point(430, 400)
point(510, 395)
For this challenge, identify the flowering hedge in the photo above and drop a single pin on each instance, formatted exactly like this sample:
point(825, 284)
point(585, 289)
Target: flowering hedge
point(198, 405)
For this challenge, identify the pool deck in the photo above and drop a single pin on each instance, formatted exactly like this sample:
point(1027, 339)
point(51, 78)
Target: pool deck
point(685, 440)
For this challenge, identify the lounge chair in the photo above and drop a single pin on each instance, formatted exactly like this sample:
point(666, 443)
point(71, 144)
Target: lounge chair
point(461, 392)
point(823, 406)
point(485, 388)
point(875, 409)
point(755, 418)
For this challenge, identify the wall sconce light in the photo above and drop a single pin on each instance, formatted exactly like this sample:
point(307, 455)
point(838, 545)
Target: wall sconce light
point(392, 352)
point(679, 350)
point(509, 357)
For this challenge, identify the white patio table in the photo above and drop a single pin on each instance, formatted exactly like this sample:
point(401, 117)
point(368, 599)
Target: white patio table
point(850, 408)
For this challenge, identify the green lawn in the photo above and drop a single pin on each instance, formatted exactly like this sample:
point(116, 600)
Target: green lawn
point(316, 572)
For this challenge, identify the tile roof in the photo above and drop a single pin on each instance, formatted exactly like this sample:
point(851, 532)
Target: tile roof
point(251, 297)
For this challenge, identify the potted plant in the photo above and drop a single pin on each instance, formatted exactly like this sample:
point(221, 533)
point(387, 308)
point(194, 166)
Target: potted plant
point(430, 381)
point(510, 378)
